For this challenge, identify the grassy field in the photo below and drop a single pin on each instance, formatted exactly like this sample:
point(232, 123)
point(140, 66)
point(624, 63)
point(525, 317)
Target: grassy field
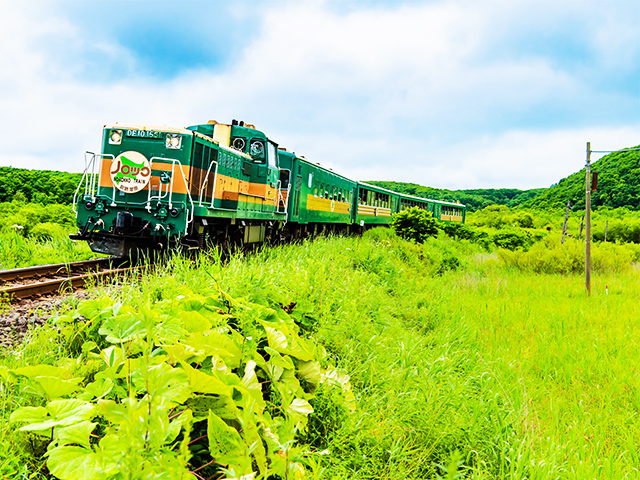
point(464, 363)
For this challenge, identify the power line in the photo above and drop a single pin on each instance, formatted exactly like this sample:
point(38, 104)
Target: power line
point(614, 151)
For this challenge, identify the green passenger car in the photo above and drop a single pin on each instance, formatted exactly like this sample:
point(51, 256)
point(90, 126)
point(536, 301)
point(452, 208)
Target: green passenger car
point(318, 195)
point(374, 205)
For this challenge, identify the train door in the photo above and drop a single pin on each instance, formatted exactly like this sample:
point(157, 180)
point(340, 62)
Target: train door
point(297, 195)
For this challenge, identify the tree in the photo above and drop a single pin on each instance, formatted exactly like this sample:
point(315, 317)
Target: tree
point(415, 224)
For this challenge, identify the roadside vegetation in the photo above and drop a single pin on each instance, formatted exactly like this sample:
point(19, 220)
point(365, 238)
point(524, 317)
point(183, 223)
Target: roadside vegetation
point(36, 234)
point(462, 364)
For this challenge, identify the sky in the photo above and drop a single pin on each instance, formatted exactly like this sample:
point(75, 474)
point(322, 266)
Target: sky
point(449, 94)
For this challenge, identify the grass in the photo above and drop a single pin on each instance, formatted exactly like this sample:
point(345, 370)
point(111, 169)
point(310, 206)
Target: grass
point(463, 366)
point(17, 251)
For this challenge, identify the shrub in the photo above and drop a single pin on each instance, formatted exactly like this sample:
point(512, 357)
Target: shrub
point(460, 231)
point(512, 239)
point(447, 264)
point(414, 224)
point(523, 220)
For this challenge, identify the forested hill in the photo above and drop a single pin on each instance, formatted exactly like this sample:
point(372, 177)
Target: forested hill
point(474, 199)
point(41, 186)
point(618, 185)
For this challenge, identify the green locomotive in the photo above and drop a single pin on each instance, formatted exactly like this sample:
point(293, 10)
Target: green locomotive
point(159, 187)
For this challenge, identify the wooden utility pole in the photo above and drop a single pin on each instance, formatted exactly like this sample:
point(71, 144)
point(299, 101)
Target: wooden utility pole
point(566, 217)
point(587, 212)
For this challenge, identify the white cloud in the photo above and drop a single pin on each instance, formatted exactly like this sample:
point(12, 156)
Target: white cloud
point(410, 93)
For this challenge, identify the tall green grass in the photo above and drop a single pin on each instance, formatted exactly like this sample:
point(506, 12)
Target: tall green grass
point(463, 366)
point(17, 251)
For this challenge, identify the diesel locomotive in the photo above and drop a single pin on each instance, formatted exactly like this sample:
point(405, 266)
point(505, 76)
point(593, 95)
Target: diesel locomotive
point(159, 187)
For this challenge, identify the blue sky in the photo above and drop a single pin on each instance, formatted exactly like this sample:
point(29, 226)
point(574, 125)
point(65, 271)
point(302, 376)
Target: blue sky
point(451, 94)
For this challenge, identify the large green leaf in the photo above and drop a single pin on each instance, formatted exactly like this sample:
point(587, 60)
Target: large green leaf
point(223, 407)
point(75, 434)
point(276, 359)
point(169, 329)
point(123, 328)
point(200, 382)
point(54, 388)
point(61, 413)
point(335, 377)
point(310, 371)
point(194, 321)
point(74, 463)
point(98, 389)
point(300, 407)
point(288, 342)
point(176, 425)
point(113, 356)
point(98, 307)
point(39, 371)
point(29, 414)
point(226, 446)
point(251, 383)
point(162, 380)
point(213, 343)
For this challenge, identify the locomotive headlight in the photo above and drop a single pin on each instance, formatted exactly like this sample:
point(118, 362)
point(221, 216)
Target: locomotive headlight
point(115, 137)
point(174, 141)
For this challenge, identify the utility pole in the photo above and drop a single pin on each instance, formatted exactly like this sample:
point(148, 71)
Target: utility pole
point(587, 208)
point(566, 217)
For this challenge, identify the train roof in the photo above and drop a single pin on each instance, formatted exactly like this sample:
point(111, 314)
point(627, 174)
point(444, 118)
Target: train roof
point(411, 197)
point(153, 128)
point(317, 165)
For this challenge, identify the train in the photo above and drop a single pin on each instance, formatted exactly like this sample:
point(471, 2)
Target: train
point(154, 187)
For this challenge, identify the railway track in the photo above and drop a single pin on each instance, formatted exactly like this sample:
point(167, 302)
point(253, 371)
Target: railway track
point(29, 282)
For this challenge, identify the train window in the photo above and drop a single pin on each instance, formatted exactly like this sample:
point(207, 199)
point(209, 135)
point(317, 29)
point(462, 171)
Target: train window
point(238, 143)
point(315, 189)
point(272, 155)
point(256, 150)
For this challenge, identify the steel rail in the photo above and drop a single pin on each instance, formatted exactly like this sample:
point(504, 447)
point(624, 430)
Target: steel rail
point(58, 269)
point(18, 292)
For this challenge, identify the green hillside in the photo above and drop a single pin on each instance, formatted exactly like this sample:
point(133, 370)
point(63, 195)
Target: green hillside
point(618, 185)
point(41, 186)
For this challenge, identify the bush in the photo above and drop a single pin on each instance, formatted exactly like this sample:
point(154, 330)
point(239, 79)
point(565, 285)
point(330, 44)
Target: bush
point(449, 263)
point(512, 239)
point(523, 220)
point(414, 224)
point(550, 256)
point(461, 231)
